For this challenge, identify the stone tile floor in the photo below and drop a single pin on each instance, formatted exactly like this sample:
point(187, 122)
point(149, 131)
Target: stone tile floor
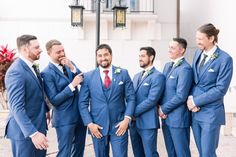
point(226, 146)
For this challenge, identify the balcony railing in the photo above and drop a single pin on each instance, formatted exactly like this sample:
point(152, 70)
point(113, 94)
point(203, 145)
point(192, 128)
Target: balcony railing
point(133, 5)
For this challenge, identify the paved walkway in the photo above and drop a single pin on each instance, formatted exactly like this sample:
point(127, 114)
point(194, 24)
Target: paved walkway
point(226, 146)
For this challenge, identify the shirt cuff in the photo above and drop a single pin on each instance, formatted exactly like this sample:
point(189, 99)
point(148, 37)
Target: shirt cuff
point(128, 117)
point(74, 70)
point(71, 87)
point(161, 110)
point(193, 101)
point(33, 134)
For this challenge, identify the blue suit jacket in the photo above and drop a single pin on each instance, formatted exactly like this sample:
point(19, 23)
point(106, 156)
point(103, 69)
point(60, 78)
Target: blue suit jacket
point(64, 101)
point(148, 92)
point(178, 83)
point(210, 86)
point(106, 111)
point(26, 100)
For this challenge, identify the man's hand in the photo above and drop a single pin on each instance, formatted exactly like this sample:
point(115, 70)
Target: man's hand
point(191, 106)
point(77, 80)
point(67, 62)
point(195, 109)
point(190, 103)
point(40, 141)
point(161, 114)
point(95, 130)
point(122, 127)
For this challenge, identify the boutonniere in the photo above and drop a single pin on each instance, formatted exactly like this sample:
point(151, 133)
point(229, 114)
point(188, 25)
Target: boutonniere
point(179, 63)
point(117, 70)
point(149, 72)
point(214, 56)
point(37, 65)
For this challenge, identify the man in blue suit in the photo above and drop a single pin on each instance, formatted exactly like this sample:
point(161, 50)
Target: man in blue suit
point(61, 81)
point(26, 124)
point(107, 104)
point(173, 108)
point(213, 70)
point(148, 86)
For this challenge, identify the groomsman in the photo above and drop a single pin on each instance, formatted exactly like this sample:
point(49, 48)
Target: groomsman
point(173, 110)
point(148, 86)
point(61, 81)
point(213, 69)
point(26, 123)
point(107, 104)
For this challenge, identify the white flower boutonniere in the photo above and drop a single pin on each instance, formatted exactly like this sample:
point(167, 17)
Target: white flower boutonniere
point(179, 63)
point(117, 70)
point(214, 56)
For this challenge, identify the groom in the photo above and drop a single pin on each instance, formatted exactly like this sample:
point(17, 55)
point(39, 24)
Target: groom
point(107, 104)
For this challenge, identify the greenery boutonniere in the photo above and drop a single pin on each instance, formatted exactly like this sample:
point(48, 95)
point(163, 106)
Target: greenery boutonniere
point(149, 72)
point(117, 70)
point(214, 56)
point(179, 63)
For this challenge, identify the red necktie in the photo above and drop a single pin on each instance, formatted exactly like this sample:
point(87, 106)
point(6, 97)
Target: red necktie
point(107, 80)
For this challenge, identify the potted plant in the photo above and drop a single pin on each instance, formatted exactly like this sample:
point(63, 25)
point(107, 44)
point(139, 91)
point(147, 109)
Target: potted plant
point(6, 59)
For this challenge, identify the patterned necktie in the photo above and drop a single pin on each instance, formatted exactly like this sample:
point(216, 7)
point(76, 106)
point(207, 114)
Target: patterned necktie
point(202, 62)
point(64, 70)
point(107, 80)
point(36, 70)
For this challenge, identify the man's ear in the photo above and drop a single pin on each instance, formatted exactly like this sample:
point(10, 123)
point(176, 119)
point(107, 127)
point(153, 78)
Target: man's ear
point(152, 57)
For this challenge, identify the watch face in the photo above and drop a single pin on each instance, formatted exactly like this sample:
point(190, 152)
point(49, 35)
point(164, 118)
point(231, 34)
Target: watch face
point(120, 17)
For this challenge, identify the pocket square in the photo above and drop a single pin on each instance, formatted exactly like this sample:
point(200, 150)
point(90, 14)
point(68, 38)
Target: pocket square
point(146, 84)
point(171, 77)
point(211, 70)
point(120, 83)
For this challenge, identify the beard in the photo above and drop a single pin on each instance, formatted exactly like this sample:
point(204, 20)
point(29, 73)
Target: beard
point(105, 64)
point(143, 64)
point(33, 56)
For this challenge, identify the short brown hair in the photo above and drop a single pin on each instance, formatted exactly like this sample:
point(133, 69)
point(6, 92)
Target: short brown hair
point(51, 43)
point(104, 46)
point(24, 40)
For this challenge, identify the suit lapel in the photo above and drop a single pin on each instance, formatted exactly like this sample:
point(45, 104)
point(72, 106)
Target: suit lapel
point(26, 67)
point(195, 65)
point(54, 68)
point(145, 77)
point(114, 79)
point(168, 74)
point(99, 84)
point(206, 66)
point(137, 81)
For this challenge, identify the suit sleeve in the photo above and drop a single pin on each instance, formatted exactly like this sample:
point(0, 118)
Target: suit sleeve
point(55, 97)
point(185, 80)
point(16, 96)
point(129, 96)
point(221, 85)
point(84, 98)
point(157, 87)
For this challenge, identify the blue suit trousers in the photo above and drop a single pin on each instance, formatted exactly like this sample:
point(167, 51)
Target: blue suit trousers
point(206, 137)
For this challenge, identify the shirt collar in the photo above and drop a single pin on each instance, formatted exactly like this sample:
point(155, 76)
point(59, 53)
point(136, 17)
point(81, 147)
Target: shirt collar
point(149, 68)
point(56, 64)
point(211, 51)
point(102, 69)
point(177, 59)
point(29, 63)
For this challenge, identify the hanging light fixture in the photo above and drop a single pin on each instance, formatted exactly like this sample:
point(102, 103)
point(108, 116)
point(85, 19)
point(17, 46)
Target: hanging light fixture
point(76, 14)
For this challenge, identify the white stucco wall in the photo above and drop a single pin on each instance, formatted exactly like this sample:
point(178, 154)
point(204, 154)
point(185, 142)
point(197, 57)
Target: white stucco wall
point(51, 19)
